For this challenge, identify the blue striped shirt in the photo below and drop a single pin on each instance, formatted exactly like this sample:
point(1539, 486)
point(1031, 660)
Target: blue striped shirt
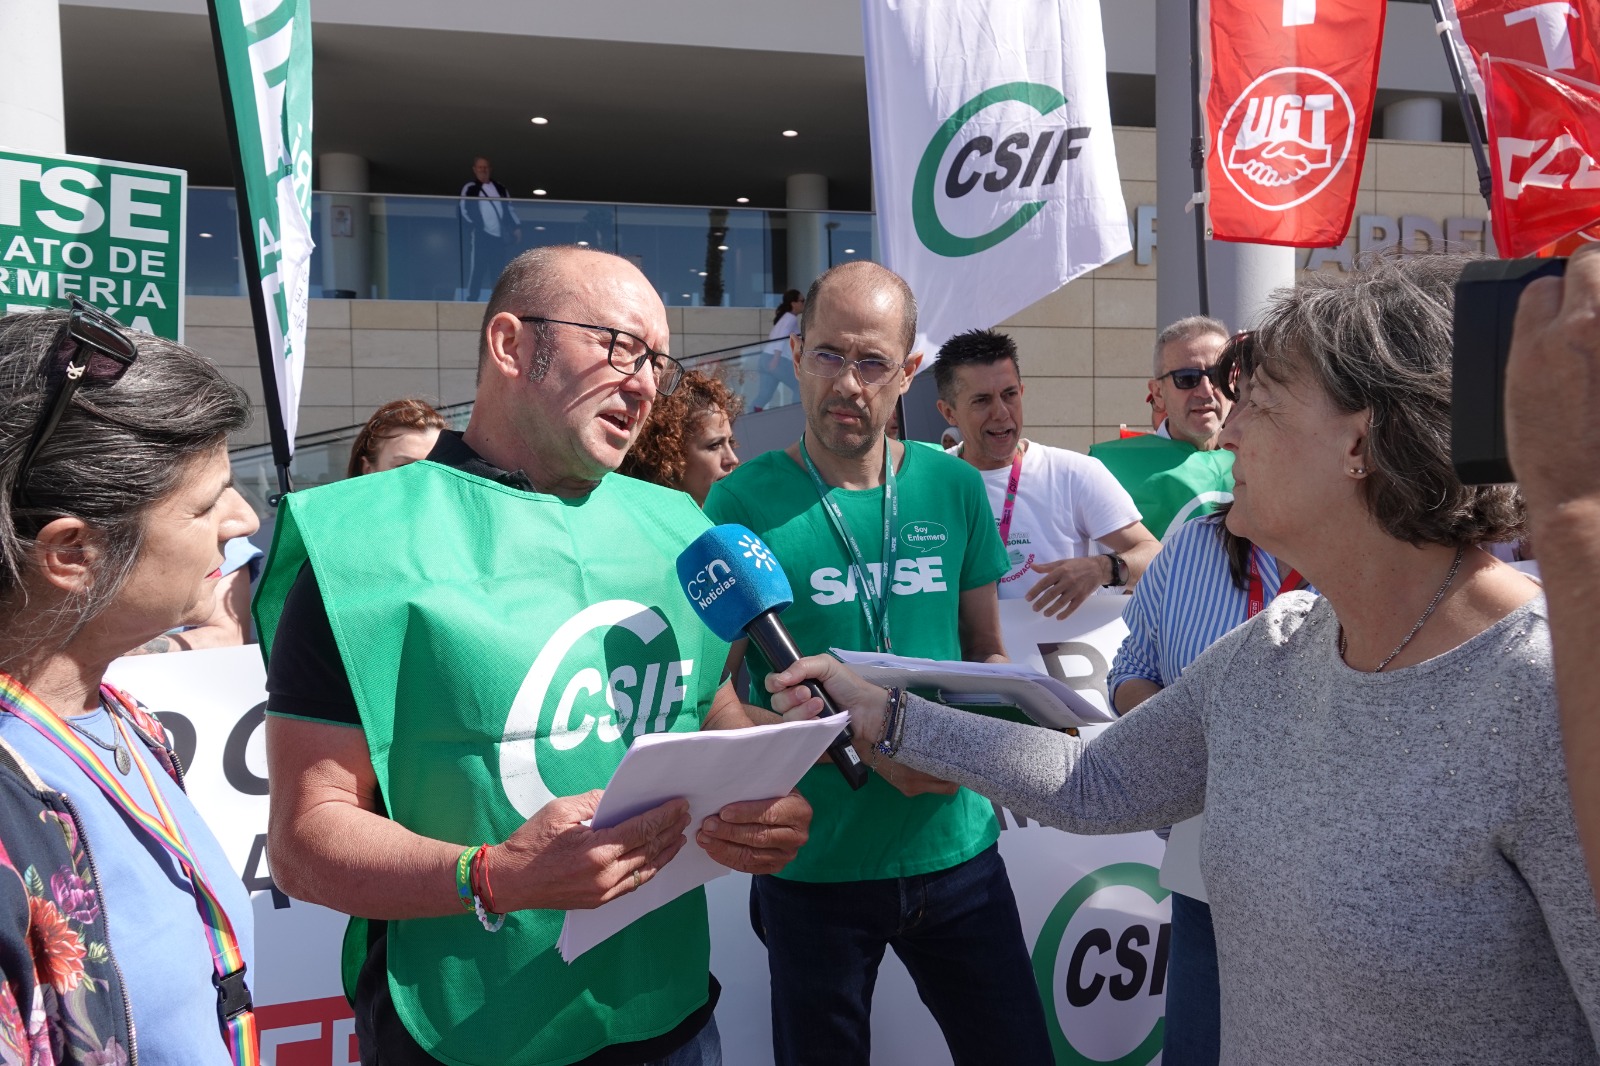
point(1184, 602)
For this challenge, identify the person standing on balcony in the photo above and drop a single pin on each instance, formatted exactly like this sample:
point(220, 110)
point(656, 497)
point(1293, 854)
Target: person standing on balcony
point(491, 227)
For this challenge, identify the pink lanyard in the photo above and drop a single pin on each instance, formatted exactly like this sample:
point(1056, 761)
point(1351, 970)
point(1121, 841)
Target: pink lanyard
point(1011, 497)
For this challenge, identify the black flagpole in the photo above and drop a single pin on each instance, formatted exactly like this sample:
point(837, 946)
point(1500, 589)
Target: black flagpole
point(1469, 113)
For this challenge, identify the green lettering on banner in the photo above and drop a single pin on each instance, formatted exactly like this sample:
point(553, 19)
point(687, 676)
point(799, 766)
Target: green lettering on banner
point(1048, 947)
point(107, 232)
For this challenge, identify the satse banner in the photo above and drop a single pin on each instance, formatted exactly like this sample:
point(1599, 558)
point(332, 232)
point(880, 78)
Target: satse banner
point(265, 47)
point(995, 171)
point(1287, 87)
point(109, 233)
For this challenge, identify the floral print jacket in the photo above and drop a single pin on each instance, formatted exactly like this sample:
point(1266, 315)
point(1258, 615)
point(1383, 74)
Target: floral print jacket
point(62, 1001)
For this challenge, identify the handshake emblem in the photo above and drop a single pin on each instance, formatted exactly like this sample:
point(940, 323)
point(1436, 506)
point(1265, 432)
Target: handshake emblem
point(1286, 136)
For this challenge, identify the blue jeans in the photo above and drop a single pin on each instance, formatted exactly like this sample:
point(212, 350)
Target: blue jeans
point(704, 1050)
point(1193, 1035)
point(956, 931)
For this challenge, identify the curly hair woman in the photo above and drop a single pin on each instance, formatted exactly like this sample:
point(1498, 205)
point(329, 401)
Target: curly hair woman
point(688, 443)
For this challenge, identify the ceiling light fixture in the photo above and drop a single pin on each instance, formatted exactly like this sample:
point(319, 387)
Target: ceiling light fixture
point(791, 133)
point(702, 273)
point(849, 251)
point(583, 244)
point(741, 199)
point(206, 235)
point(540, 120)
point(538, 192)
point(720, 247)
point(538, 229)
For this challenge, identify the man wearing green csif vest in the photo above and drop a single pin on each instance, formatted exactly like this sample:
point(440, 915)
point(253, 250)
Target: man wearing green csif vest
point(461, 651)
point(888, 547)
point(1179, 472)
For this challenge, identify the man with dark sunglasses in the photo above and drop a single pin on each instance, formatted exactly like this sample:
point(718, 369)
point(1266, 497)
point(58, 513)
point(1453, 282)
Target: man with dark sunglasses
point(1179, 472)
point(462, 650)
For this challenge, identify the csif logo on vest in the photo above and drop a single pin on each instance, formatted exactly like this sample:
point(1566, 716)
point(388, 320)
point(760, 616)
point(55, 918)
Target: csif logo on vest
point(1012, 152)
point(645, 689)
point(1101, 965)
point(1286, 137)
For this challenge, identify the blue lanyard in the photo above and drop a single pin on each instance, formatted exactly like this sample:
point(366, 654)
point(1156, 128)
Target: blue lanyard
point(874, 600)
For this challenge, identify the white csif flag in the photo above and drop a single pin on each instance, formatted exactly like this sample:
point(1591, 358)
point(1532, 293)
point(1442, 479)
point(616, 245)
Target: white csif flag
point(995, 173)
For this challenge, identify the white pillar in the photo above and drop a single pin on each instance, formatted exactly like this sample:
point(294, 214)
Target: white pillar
point(345, 239)
point(1241, 275)
point(32, 115)
point(1421, 118)
point(806, 196)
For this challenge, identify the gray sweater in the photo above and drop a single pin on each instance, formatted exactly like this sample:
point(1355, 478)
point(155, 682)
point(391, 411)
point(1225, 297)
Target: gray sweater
point(1393, 868)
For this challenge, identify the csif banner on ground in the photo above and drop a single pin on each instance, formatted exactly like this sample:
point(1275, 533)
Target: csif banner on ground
point(264, 51)
point(1287, 87)
point(1093, 914)
point(995, 171)
point(109, 233)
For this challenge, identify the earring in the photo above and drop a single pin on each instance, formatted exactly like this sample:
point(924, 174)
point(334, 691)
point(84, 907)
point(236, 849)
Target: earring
point(1358, 471)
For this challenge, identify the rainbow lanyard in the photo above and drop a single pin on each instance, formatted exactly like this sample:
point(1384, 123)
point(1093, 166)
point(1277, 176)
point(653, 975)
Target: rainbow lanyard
point(874, 599)
point(1011, 498)
point(234, 1008)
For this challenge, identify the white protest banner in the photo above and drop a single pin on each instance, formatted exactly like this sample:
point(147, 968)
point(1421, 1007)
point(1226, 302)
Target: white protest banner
point(214, 703)
point(1093, 915)
point(993, 162)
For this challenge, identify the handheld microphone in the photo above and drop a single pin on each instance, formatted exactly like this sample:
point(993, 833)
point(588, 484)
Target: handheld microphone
point(735, 584)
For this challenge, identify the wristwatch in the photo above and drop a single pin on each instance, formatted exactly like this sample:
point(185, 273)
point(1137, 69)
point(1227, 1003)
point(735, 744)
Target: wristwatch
point(1119, 571)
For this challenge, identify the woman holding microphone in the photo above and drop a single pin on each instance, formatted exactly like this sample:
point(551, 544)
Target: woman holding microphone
point(1389, 848)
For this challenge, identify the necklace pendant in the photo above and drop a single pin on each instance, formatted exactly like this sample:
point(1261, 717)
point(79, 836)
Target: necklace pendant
point(124, 760)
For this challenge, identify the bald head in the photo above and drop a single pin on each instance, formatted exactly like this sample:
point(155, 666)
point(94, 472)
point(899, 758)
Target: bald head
point(537, 280)
point(872, 282)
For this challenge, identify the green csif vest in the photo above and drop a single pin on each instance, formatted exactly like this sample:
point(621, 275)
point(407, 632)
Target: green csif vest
point(505, 648)
point(1171, 481)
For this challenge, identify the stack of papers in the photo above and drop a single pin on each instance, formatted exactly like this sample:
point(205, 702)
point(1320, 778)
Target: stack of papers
point(710, 769)
point(1041, 697)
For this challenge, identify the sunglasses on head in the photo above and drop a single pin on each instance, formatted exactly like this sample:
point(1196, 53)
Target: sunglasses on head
point(92, 350)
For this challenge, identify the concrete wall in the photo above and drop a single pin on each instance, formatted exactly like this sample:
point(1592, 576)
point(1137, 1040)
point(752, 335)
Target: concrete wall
point(1085, 348)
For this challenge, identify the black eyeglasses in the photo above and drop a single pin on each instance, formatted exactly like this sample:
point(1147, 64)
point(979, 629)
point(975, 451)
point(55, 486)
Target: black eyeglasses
point(635, 354)
point(94, 350)
point(870, 372)
point(1191, 376)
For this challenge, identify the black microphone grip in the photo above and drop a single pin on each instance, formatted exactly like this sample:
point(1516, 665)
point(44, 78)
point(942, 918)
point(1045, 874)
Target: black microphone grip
point(767, 631)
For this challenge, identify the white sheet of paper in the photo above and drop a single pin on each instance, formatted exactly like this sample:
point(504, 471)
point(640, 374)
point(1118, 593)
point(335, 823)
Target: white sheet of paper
point(710, 769)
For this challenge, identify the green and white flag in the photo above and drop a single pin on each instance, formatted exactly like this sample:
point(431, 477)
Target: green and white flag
point(995, 172)
point(264, 52)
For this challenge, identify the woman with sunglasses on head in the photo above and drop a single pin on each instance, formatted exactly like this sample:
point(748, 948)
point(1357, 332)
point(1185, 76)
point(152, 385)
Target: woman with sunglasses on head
point(687, 443)
point(119, 912)
point(1389, 847)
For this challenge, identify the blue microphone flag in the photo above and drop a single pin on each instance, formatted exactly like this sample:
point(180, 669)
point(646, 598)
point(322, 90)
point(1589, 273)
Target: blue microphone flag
point(730, 578)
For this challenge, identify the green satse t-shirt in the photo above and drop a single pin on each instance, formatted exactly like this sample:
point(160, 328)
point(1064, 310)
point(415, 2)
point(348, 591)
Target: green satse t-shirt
point(948, 544)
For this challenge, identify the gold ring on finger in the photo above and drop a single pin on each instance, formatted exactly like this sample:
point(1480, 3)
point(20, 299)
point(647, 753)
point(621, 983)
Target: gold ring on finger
point(636, 880)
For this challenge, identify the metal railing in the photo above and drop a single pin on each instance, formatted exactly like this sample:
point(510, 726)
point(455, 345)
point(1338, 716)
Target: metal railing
point(384, 247)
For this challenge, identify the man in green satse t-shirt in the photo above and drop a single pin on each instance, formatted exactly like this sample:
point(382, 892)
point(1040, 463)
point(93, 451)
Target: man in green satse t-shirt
point(894, 548)
point(1179, 472)
point(461, 651)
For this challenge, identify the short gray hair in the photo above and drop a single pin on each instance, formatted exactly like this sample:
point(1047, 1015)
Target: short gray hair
point(863, 275)
point(119, 449)
point(1186, 329)
point(1380, 340)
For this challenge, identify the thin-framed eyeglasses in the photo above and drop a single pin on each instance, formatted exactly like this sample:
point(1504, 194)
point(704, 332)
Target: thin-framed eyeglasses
point(92, 350)
point(870, 372)
point(633, 356)
point(1189, 377)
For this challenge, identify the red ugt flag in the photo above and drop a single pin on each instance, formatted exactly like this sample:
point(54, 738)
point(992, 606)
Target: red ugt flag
point(1544, 136)
point(1287, 87)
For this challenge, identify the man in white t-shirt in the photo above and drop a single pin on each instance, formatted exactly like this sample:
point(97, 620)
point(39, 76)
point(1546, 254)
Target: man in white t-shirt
point(1067, 524)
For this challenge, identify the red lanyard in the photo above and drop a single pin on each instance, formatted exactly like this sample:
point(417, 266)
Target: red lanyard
point(1011, 497)
point(1258, 600)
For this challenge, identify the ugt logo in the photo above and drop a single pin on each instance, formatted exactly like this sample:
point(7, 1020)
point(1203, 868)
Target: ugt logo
point(1286, 137)
point(1014, 157)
